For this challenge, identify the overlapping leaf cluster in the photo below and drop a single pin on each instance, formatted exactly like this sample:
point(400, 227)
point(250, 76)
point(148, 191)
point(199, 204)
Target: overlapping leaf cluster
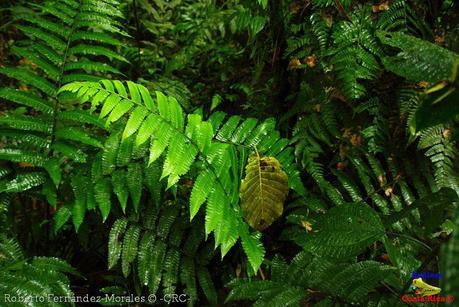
point(67, 41)
point(213, 144)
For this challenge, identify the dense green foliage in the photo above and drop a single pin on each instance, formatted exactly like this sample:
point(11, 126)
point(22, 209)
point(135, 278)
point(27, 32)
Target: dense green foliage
point(275, 153)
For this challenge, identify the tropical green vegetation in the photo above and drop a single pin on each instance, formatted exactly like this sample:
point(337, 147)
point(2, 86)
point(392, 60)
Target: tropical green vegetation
point(267, 153)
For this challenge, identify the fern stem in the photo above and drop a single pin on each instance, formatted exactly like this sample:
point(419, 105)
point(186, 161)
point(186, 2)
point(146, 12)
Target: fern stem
point(262, 274)
point(341, 9)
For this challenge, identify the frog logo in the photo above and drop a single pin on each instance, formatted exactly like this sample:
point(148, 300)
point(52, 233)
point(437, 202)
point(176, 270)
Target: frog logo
point(424, 289)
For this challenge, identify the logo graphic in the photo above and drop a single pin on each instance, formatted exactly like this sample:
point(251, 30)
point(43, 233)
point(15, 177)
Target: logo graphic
point(424, 289)
point(425, 293)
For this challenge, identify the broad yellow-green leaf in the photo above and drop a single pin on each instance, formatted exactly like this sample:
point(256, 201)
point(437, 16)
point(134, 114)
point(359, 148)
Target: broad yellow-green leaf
point(263, 191)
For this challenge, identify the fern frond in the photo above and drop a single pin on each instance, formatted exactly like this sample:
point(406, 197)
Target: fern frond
point(24, 98)
point(29, 78)
point(326, 3)
point(61, 217)
point(57, 33)
point(134, 183)
point(341, 280)
point(251, 290)
point(358, 224)
point(171, 268)
point(114, 242)
point(354, 52)
point(79, 185)
point(156, 262)
point(144, 256)
point(355, 281)
point(398, 16)
point(23, 182)
point(129, 251)
point(441, 151)
point(185, 140)
point(38, 277)
point(319, 28)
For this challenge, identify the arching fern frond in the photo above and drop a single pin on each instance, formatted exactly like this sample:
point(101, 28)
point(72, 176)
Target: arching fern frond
point(399, 16)
point(187, 139)
point(65, 39)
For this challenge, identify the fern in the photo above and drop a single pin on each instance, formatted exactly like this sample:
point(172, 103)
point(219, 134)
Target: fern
point(358, 225)
point(4, 202)
point(166, 256)
point(377, 133)
point(32, 281)
point(307, 278)
point(434, 138)
point(354, 52)
point(441, 150)
point(404, 193)
point(353, 55)
point(319, 28)
point(353, 173)
point(66, 40)
point(368, 124)
point(164, 123)
point(399, 16)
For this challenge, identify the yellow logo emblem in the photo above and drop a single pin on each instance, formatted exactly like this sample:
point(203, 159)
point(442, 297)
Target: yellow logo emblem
point(424, 289)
